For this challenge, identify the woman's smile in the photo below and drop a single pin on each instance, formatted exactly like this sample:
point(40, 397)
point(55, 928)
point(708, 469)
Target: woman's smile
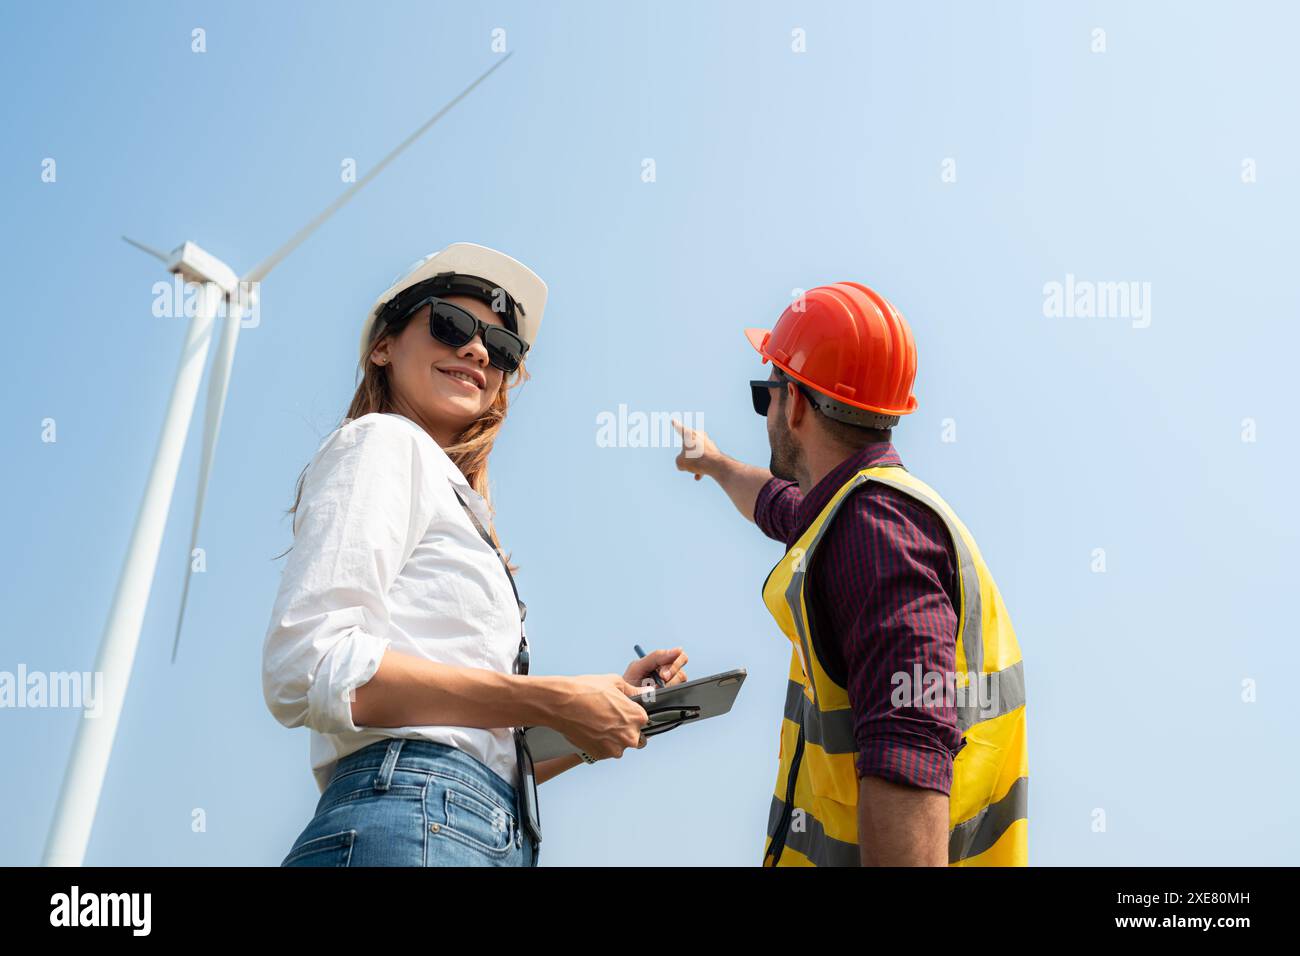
point(467, 376)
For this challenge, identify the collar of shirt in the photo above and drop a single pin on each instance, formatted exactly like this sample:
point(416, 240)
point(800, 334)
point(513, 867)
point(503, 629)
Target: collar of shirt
point(870, 456)
point(452, 472)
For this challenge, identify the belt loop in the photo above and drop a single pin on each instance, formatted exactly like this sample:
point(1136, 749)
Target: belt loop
point(385, 774)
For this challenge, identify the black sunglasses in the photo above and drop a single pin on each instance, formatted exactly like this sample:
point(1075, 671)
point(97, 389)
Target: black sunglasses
point(761, 390)
point(454, 326)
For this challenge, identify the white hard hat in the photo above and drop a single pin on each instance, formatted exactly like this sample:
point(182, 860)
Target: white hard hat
point(497, 269)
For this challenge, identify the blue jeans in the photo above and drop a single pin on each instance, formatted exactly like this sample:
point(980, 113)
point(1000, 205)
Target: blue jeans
point(408, 802)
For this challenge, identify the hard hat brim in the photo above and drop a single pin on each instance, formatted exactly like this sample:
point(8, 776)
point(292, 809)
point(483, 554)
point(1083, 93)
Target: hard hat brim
point(757, 338)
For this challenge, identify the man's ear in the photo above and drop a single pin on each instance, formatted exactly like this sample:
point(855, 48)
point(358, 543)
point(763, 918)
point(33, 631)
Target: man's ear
point(794, 405)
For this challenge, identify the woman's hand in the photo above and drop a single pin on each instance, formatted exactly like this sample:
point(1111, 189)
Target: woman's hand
point(667, 663)
point(600, 714)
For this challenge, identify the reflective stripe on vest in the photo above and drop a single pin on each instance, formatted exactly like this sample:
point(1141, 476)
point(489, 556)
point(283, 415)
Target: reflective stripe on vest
point(988, 804)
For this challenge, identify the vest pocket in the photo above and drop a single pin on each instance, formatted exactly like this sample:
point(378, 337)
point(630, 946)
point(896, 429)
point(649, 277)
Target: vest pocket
point(829, 778)
point(830, 761)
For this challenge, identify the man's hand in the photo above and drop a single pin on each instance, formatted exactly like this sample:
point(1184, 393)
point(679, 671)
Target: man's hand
point(900, 825)
point(701, 457)
point(698, 455)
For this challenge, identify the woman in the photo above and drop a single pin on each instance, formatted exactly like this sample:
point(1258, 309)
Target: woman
point(397, 635)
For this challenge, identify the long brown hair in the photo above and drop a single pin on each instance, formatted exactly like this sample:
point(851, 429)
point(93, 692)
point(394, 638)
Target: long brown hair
point(472, 446)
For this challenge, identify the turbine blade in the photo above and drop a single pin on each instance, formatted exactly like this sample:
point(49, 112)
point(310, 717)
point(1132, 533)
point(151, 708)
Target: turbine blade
point(149, 249)
point(218, 386)
point(270, 262)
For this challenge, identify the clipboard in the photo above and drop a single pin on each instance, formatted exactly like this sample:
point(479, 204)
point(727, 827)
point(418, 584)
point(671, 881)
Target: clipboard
point(667, 707)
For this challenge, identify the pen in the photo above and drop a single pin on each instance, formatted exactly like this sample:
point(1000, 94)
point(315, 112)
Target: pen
point(655, 673)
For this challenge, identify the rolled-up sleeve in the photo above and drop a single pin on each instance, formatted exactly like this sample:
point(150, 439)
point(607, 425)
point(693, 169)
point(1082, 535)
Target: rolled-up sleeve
point(897, 618)
point(361, 515)
point(776, 508)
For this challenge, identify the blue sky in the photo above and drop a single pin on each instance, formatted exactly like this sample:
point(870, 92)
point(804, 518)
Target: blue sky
point(774, 170)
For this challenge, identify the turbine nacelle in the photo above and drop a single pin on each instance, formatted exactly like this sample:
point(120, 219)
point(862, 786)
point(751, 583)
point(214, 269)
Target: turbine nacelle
point(195, 264)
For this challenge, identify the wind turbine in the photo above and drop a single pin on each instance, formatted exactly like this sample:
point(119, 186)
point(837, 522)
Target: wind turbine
point(75, 814)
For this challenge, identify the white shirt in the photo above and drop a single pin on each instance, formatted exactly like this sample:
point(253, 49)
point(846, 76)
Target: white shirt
point(385, 556)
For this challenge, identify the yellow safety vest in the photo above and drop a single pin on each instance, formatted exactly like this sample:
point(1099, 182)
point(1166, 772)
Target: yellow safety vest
point(813, 819)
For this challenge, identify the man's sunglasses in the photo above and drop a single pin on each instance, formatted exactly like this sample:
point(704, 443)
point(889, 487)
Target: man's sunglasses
point(761, 390)
point(454, 326)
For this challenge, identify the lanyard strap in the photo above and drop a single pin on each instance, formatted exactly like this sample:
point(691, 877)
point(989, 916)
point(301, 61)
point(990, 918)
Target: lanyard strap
point(529, 812)
point(521, 661)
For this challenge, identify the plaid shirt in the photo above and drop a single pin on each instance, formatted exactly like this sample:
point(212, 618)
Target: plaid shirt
point(881, 593)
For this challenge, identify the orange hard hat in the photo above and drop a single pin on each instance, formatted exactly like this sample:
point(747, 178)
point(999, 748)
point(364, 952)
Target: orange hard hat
point(847, 342)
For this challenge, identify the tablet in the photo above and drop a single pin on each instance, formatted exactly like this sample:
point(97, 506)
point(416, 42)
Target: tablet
point(668, 708)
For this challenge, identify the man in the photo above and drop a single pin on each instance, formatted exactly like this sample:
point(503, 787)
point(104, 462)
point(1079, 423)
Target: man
point(903, 739)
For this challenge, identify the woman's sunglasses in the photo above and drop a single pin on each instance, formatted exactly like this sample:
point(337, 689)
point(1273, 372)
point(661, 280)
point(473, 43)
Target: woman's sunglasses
point(454, 326)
